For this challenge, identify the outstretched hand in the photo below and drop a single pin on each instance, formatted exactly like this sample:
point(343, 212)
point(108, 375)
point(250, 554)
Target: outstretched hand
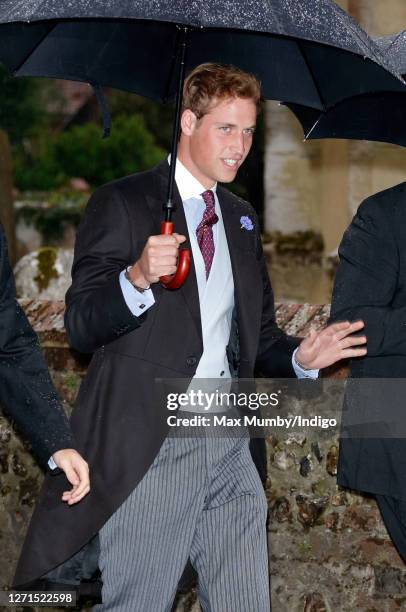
point(321, 349)
point(76, 471)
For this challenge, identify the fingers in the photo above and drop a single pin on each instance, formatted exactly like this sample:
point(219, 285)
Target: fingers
point(82, 486)
point(350, 353)
point(74, 496)
point(160, 256)
point(179, 237)
point(70, 472)
point(336, 342)
point(344, 328)
point(352, 341)
point(77, 472)
point(166, 240)
point(161, 264)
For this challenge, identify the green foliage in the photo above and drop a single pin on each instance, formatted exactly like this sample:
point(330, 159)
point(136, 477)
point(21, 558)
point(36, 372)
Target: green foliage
point(82, 152)
point(21, 105)
point(158, 117)
point(72, 382)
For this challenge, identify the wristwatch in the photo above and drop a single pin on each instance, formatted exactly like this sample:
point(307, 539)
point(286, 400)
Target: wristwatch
point(137, 287)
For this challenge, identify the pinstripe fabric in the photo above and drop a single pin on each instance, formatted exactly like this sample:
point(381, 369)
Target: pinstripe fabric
point(202, 498)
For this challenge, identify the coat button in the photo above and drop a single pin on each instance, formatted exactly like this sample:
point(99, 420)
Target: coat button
point(191, 361)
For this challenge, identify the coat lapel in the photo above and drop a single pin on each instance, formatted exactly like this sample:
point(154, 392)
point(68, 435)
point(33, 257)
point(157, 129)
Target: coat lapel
point(246, 273)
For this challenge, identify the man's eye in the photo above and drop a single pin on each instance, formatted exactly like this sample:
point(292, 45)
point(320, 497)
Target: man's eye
point(249, 131)
point(225, 129)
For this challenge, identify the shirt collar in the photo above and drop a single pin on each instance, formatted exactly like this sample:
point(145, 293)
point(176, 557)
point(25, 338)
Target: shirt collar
point(188, 185)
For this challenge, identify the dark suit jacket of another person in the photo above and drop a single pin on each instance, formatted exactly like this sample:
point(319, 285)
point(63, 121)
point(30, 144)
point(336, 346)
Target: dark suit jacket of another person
point(27, 393)
point(120, 419)
point(370, 284)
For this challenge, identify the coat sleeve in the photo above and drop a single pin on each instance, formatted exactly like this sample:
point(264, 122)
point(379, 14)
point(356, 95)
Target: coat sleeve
point(26, 390)
point(96, 311)
point(367, 277)
point(275, 349)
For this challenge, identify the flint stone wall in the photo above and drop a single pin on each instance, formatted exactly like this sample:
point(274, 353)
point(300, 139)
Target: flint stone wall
point(329, 550)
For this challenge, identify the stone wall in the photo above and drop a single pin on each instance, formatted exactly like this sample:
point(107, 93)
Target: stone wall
point(329, 550)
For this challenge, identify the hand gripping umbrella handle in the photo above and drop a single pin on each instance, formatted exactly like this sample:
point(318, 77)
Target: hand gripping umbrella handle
point(174, 281)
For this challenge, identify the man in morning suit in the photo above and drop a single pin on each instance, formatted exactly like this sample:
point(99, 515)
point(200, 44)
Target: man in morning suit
point(27, 393)
point(370, 284)
point(158, 500)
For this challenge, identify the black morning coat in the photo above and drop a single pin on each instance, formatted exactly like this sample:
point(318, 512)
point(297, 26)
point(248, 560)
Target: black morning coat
point(27, 393)
point(371, 285)
point(120, 420)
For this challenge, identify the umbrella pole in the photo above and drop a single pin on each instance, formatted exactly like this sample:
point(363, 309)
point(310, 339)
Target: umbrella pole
point(176, 280)
point(169, 206)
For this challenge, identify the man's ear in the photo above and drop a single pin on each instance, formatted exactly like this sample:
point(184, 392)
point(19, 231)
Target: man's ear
point(188, 122)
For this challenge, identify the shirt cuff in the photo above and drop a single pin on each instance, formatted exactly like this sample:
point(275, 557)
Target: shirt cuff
point(136, 301)
point(52, 464)
point(300, 372)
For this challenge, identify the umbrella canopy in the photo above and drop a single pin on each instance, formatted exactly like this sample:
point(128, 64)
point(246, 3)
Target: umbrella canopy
point(293, 46)
point(394, 50)
point(377, 116)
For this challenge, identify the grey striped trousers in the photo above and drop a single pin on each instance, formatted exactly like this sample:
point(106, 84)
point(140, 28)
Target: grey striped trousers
point(202, 498)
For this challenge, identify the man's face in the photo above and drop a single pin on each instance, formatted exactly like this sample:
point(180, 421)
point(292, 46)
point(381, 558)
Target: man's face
point(214, 147)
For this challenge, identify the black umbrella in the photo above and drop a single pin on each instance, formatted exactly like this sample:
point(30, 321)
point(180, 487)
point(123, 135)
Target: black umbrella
point(308, 52)
point(379, 116)
point(304, 51)
point(394, 50)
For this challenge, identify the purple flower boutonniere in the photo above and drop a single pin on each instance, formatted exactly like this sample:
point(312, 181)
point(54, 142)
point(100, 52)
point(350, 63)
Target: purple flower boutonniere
point(246, 223)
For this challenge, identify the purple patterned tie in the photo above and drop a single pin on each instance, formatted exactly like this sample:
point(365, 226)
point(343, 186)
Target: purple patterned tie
point(204, 231)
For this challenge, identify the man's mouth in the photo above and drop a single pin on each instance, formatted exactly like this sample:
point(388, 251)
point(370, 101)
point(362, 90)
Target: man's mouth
point(231, 163)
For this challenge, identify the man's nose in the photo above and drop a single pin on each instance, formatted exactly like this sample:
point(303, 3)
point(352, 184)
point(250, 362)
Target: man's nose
point(239, 143)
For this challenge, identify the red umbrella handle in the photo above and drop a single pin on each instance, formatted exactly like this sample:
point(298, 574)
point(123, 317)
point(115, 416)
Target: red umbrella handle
point(174, 281)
